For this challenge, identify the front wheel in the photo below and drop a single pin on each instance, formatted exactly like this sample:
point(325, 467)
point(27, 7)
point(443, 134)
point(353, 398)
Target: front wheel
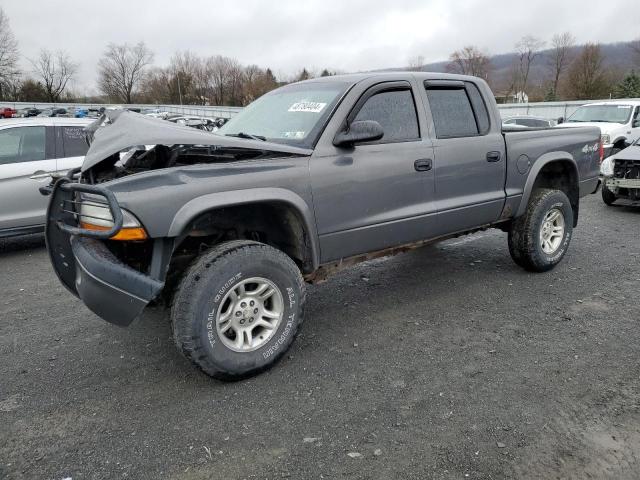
point(539, 239)
point(238, 309)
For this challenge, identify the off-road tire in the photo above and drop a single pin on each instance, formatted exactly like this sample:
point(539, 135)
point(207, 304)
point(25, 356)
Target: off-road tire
point(203, 288)
point(524, 235)
point(608, 196)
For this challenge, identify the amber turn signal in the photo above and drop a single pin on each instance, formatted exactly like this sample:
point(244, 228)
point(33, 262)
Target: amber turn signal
point(126, 234)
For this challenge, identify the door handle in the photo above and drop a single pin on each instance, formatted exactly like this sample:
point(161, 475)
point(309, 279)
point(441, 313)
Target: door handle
point(40, 174)
point(493, 157)
point(422, 165)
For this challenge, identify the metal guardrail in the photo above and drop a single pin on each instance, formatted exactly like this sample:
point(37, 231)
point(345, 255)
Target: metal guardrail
point(550, 110)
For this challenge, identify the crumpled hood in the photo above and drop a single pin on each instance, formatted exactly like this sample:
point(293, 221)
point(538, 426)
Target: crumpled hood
point(629, 153)
point(119, 130)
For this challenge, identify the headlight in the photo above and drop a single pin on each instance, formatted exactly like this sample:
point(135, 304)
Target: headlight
point(605, 139)
point(95, 215)
point(606, 167)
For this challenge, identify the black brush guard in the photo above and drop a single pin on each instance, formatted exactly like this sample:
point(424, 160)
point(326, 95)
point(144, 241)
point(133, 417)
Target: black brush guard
point(83, 263)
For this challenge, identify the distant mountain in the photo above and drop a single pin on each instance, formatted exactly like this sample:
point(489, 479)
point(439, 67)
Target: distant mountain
point(617, 58)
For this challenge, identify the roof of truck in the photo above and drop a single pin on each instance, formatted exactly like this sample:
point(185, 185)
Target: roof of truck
point(358, 77)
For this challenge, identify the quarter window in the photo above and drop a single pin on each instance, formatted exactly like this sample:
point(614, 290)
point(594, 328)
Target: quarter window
point(22, 144)
point(482, 115)
point(395, 111)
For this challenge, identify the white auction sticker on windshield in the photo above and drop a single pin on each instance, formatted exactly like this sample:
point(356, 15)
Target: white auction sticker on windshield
point(312, 107)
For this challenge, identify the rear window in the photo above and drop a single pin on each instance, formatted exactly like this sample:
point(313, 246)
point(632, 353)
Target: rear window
point(452, 112)
point(74, 143)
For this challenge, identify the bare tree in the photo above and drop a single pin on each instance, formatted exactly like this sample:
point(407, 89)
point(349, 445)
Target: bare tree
point(54, 69)
point(559, 60)
point(586, 78)
point(257, 82)
point(8, 56)
point(469, 60)
point(527, 50)
point(416, 63)
point(218, 69)
point(121, 70)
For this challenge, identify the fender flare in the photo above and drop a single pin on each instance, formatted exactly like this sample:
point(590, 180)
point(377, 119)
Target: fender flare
point(193, 208)
point(538, 165)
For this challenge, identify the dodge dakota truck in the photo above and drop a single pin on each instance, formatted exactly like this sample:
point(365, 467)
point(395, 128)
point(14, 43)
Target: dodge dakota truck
point(315, 176)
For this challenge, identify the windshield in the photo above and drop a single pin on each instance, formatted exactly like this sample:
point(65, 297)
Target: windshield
point(602, 113)
point(294, 114)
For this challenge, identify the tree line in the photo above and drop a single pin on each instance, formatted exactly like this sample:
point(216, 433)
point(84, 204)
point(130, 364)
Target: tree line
point(570, 72)
point(127, 74)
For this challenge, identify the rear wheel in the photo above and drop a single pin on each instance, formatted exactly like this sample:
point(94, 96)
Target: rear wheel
point(539, 239)
point(238, 309)
point(608, 196)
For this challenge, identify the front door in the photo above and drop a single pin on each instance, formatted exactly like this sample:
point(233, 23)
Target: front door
point(377, 194)
point(25, 165)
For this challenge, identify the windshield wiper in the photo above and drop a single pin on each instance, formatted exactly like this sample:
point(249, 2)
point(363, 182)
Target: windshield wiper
point(247, 136)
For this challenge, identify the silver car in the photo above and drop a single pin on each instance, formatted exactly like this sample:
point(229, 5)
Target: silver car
point(31, 149)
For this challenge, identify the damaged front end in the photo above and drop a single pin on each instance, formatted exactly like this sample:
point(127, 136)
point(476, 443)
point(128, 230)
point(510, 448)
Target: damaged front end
point(624, 174)
point(82, 260)
point(99, 249)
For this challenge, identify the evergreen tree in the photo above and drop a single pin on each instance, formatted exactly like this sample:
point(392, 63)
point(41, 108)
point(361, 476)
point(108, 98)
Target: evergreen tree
point(629, 87)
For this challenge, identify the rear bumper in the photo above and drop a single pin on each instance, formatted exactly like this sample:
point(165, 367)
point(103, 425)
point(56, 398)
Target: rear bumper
point(86, 267)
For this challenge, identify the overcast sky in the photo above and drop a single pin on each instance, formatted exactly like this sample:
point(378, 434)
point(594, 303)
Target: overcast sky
point(348, 35)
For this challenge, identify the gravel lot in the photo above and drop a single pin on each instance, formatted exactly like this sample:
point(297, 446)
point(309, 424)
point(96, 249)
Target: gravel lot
point(448, 362)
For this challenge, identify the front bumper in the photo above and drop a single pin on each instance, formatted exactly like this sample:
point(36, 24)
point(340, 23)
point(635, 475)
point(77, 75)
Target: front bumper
point(86, 267)
point(612, 182)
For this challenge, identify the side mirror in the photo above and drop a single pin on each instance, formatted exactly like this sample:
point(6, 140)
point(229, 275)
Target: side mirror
point(560, 120)
point(358, 132)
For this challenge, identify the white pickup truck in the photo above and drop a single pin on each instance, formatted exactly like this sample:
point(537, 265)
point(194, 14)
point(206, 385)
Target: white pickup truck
point(619, 122)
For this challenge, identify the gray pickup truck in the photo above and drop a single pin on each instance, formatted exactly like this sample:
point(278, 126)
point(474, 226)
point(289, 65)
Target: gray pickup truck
point(310, 178)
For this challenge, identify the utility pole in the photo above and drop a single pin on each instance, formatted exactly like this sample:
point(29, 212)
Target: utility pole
point(179, 91)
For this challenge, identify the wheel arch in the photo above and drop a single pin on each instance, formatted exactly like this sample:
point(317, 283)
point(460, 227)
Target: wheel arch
point(554, 170)
point(619, 141)
point(283, 212)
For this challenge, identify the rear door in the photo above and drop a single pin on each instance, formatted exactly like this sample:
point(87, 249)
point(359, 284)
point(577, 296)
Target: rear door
point(71, 146)
point(469, 156)
point(26, 161)
point(371, 196)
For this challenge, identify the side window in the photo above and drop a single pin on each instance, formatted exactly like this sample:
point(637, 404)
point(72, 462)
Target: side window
point(482, 115)
point(452, 112)
point(395, 111)
point(74, 142)
point(22, 144)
